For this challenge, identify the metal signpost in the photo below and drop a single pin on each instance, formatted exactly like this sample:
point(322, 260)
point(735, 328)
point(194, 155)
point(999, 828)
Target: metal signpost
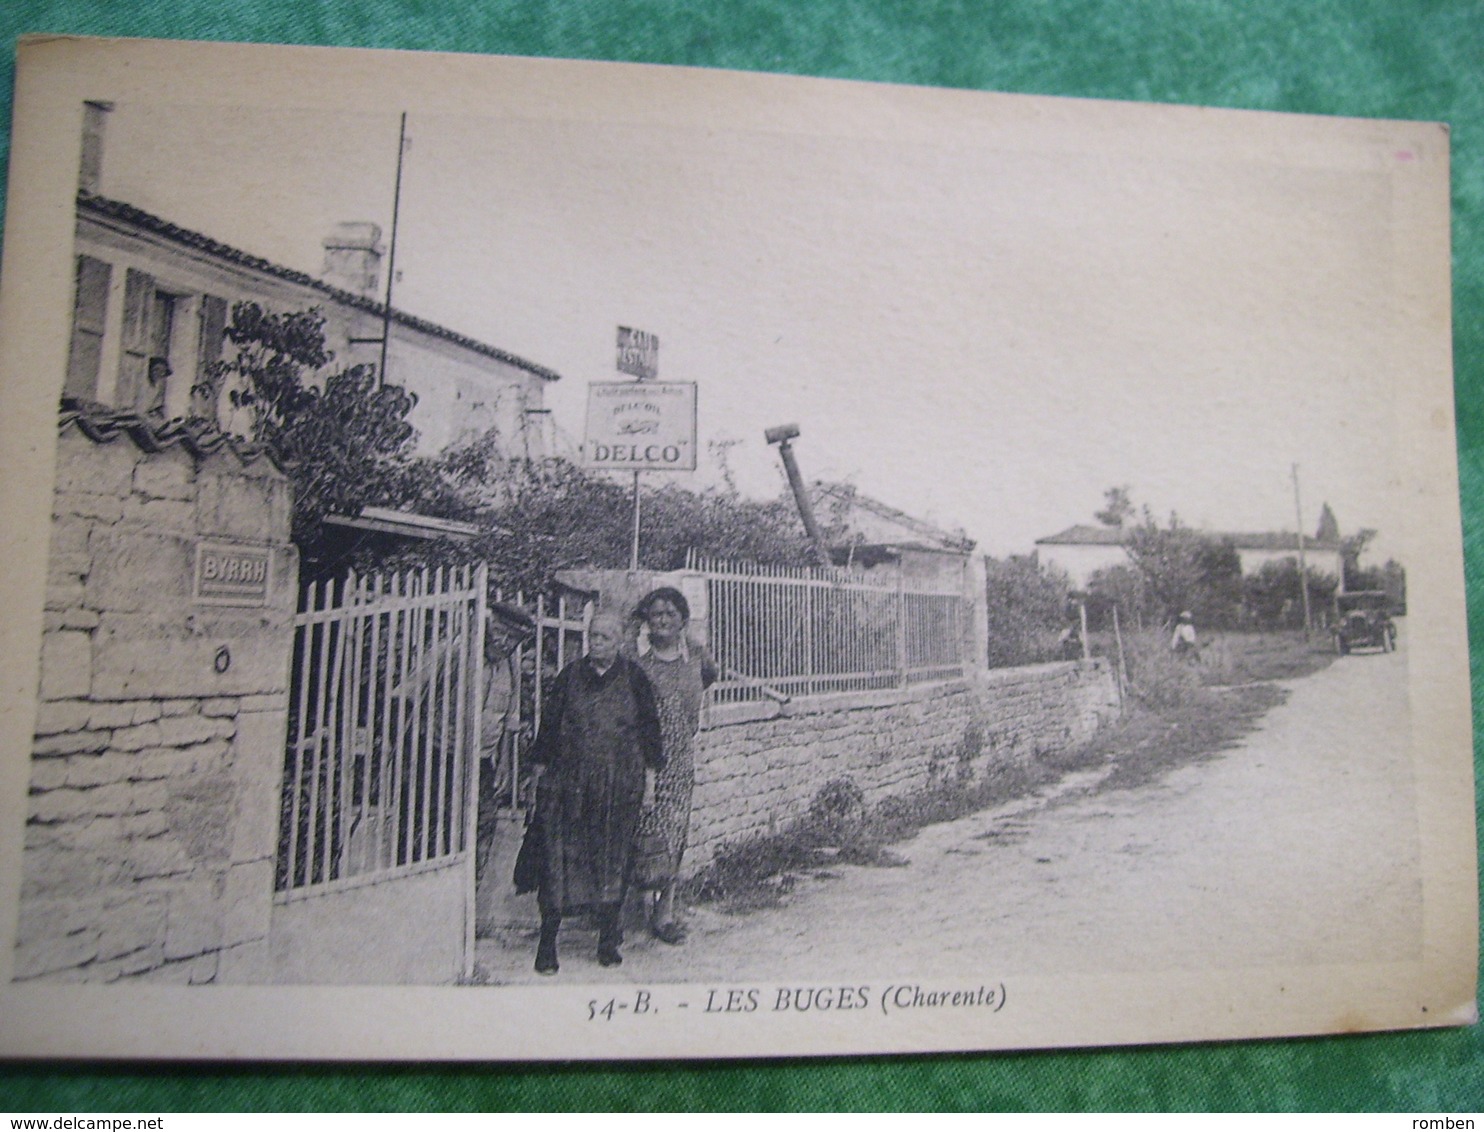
point(642, 425)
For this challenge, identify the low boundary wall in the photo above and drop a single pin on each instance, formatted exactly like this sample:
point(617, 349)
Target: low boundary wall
point(756, 774)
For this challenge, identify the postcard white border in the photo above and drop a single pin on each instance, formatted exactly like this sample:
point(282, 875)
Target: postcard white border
point(525, 1023)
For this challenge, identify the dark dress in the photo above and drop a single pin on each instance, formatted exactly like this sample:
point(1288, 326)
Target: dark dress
point(598, 733)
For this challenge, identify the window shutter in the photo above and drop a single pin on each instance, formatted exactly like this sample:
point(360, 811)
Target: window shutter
point(89, 314)
point(133, 387)
point(207, 391)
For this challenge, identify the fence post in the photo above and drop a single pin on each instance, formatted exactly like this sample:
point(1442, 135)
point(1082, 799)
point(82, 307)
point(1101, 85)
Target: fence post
point(901, 629)
point(474, 667)
point(809, 685)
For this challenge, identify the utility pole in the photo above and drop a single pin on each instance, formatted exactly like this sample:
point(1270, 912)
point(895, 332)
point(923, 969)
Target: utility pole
point(1298, 509)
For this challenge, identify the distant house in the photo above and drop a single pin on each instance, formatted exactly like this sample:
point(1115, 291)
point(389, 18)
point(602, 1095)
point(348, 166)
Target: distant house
point(152, 300)
point(1084, 549)
point(862, 531)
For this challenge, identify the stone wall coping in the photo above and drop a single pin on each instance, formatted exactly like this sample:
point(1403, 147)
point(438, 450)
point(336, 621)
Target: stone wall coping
point(726, 715)
point(998, 677)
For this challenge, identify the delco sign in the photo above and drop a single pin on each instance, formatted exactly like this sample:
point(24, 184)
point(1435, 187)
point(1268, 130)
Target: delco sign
point(641, 426)
point(233, 575)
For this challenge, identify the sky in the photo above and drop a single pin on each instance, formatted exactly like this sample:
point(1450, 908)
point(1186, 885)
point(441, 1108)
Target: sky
point(985, 328)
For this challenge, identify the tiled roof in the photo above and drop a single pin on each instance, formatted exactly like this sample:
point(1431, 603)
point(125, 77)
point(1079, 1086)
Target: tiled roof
point(1277, 540)
point(936, 537)
point(118, 210)
point(1084, 534)
point(104, 424)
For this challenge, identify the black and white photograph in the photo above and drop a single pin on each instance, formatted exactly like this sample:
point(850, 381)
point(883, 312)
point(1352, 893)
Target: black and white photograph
point(518, 560)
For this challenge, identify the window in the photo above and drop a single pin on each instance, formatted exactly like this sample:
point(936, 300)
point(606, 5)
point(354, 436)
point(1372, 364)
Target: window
point(89, 316)
point(158, 370)
point(205, 392)
point(164, 342)
point(133, 382)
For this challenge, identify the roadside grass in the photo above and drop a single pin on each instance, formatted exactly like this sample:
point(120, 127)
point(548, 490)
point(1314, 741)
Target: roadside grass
point(1178, 713)
point(1241, 658)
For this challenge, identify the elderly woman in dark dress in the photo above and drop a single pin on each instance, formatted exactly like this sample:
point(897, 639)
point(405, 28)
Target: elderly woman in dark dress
point(598, 749)
point(680, 671)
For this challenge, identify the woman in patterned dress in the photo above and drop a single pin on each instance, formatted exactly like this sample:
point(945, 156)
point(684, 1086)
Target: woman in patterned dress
point(680, 671)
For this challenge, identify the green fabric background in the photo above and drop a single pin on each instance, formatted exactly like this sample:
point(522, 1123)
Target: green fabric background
point(1420, 59)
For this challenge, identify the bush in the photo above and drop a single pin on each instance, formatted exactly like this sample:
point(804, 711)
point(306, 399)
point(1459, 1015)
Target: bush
point(1026, 607)
point(837, 813)
point(1158, 678)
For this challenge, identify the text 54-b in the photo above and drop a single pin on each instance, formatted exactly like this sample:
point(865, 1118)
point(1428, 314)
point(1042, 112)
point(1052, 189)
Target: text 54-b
point(607, 1009)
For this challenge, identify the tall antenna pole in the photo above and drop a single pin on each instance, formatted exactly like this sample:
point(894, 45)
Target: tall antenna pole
point(391, 259)
point(1298, 509)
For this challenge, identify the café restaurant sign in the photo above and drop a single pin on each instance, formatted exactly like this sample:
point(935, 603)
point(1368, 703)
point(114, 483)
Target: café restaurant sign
point(641, 426)
point(638, 353)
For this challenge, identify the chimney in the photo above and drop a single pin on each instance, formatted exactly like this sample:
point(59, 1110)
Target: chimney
point(94, 127)
point(353, 257)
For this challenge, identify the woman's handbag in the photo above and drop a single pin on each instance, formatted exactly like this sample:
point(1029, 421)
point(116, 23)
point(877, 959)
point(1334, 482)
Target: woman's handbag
point(653, 865)
point(528, 861)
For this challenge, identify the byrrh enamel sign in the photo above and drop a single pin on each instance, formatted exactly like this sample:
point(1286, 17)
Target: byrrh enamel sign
point(232, 575)
point(641, 426)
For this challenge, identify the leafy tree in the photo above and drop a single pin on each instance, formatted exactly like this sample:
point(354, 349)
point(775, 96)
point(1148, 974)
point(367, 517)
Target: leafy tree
point(1026, 605)
point(1170, 560)
point(265, 374)
point(342, 437)
point(1177, 568)
point(564, 516)
point(1118, 508)
point(1273, 598)
point(1350, 551)
point(1218, 600)
point(1123, 588)
point(1394, 582)
point(1391, 577)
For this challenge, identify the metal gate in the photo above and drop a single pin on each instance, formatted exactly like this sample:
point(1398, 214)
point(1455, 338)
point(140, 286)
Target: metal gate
point(560, 636)
point(377, 818)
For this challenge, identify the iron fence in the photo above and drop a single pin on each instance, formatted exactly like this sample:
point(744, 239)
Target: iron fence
point(784, 631)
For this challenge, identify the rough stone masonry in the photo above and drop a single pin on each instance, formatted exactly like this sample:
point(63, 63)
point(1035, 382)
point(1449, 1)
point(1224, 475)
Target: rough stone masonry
point(152, 817)
point(752, 777)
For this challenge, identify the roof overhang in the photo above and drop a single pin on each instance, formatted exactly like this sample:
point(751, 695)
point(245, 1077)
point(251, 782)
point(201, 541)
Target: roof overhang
point(406, 524)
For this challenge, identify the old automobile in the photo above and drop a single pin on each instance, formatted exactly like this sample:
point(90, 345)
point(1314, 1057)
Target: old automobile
point(1363, 620)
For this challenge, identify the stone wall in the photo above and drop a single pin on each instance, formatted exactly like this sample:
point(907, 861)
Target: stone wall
point(754, 776)
point(153, 808)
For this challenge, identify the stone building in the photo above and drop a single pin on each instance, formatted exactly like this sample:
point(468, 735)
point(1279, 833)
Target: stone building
point(153, 298)
point(862, 531)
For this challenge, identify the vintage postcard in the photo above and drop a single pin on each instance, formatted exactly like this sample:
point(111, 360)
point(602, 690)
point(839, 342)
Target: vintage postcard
point(517, 559)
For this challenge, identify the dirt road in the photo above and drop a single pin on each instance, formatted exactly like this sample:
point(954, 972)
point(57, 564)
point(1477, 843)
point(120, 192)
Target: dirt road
point(1298, 846)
